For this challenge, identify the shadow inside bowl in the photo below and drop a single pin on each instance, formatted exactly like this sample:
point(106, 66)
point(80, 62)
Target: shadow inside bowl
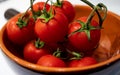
point(17, 50)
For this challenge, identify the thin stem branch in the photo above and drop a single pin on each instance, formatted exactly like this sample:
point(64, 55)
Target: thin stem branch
point(31, 6)
point(44, 9)
point(93, 6)
point(90, 16)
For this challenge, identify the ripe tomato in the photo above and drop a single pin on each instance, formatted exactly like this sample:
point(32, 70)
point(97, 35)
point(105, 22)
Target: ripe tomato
point(51, 61)
point(37, 7)
point(86, 61)
point(54, 30)
point(80, 39)
point(65, 7)
point(20, 33)
point(32, 52)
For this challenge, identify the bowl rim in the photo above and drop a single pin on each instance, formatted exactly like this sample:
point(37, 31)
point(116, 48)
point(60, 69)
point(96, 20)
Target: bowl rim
point(39, 68)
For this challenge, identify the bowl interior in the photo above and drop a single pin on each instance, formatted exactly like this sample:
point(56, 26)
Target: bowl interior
point(105, 53)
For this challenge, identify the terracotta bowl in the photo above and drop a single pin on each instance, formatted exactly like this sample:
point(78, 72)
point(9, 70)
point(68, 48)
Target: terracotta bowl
point(106, 53)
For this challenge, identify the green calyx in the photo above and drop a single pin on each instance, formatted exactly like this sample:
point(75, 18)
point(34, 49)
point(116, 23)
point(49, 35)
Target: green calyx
point(57, 53)
point(46, 15)
point(35, 14)
point(87, 27)
point(58, 3)
point(22, 22)
point(60, 54)
point(39, 44)
point(69, 55)
point(75, 55)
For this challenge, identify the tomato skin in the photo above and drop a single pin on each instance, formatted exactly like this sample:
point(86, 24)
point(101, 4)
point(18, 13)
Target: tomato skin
point(32, 54)
point(54, 30)
point(51, 61)
point(80, 40)
point(18, 35)
point(86, 61)
point(39, 6)
point(67, 8)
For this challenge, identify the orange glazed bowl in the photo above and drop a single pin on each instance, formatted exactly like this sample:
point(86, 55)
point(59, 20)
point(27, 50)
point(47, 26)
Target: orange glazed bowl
point(106, 52)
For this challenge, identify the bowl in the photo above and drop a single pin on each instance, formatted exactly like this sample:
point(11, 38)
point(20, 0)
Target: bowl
point(107, 51)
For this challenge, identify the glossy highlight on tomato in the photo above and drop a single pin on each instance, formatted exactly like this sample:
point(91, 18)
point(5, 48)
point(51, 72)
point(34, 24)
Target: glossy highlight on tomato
point(32, 53)
point(51, 61)
point(83, 62)
point(80, 39)
point(65, 7)
point(54, 30)
point(19, 35)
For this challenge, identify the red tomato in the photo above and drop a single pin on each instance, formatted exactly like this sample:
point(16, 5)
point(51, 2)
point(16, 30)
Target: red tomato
point(39, 6)
point(86, 61)
point(80, 40)
point(54, 30)
point(20, 35)
point(65, 7)
point(51, 61)
point(32, 53)
point(37, 9)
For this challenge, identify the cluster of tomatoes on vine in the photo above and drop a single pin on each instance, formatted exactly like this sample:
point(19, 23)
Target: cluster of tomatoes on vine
point(51, 37)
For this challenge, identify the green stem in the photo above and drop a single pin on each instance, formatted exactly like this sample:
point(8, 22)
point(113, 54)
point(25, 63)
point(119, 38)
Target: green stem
point(60, 54)
point(46, 15)
point(45, 11)
point(58, 2)
point(23, 20)
point(31, 6)
point(104, 8)
point(93, 6)
point(39, 44)
point(90, 17)
point(57, 53)
point(87, 2)
point(75, 55)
